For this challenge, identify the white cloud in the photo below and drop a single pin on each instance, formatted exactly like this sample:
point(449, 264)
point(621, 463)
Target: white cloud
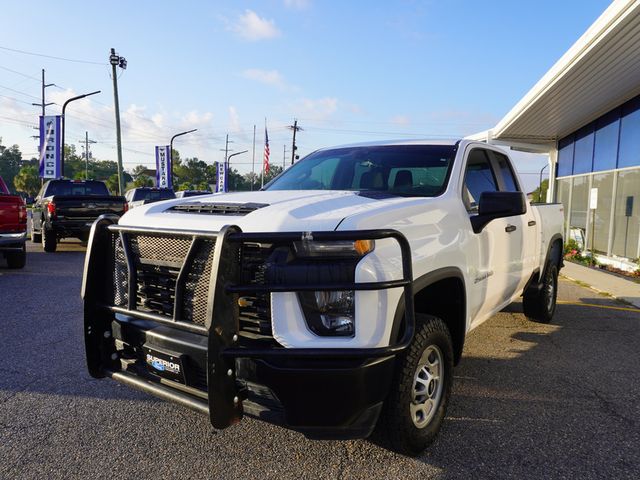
point(401, 120)
point(297, 4)
point(252, 27)
point(268, 77)
point(318, 109)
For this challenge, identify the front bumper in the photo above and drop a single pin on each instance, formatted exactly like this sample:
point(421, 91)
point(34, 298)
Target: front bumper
point(324, 393)
point(12, 241)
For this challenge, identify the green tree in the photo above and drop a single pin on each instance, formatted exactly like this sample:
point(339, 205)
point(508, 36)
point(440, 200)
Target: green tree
point(540, 193)
point(143, 181)
point(10, 163)
point(27, 180)
point(112, 184)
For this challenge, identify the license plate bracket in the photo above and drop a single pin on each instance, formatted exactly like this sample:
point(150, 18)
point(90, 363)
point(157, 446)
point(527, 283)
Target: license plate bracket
point(164, 363)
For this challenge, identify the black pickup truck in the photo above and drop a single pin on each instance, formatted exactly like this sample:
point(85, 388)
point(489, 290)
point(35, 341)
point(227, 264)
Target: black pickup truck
point(68, 208)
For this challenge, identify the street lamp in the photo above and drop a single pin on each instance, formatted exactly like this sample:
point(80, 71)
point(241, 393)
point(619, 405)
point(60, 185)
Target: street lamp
point(64, 106)
point(540, 184)
point(229, 158)
point(171, 146)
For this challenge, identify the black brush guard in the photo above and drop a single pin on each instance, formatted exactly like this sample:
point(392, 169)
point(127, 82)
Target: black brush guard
point(224, 403)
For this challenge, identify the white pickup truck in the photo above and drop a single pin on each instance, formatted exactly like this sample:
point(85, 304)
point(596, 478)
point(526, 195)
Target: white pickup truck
point(334, 301)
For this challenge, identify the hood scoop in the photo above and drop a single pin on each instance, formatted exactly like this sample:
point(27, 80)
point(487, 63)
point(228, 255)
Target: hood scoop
point(237, 209)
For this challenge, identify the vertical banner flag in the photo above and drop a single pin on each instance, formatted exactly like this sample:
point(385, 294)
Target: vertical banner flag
point(50, 151)
point(221, 185)
point(265, 164)
point(163, 166)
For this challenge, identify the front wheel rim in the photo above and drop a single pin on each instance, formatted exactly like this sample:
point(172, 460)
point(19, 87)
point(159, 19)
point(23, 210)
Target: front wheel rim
point(428, 385)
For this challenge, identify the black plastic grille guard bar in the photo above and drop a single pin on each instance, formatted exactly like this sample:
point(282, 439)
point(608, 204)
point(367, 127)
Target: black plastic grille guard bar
point(283, 237)
point(406, 283)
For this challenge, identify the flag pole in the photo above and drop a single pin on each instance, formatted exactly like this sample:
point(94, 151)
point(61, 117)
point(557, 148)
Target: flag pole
point(262, 171)
point(253, 160)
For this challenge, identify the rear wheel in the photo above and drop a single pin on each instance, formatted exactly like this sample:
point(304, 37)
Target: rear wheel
point(49, 240)
point(17, 259)
point(35, 237)
point(540, 305)
point(417, 404)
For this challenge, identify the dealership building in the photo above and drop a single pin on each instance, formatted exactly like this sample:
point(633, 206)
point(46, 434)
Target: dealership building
point(585, 114)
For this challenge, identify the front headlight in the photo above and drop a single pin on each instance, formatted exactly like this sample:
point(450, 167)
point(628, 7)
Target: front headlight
point(342, 248)
point(329, 313)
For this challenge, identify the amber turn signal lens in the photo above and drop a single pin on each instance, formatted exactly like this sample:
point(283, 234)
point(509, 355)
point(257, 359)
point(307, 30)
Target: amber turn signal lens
point(363, 246)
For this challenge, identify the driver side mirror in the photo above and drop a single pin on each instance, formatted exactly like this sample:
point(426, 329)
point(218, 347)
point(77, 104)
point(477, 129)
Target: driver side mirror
point(494, 205)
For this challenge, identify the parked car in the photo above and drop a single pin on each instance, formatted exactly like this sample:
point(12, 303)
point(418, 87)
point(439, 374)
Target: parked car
point(191, 193)
point(68, 208)
point(336, 299)
point(144, 195)
point(13, 227)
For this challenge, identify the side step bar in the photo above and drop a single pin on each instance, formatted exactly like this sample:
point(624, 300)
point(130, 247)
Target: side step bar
point(161, 391)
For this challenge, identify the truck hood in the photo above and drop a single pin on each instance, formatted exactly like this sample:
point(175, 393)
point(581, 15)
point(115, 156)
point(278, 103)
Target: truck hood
point(281, 210)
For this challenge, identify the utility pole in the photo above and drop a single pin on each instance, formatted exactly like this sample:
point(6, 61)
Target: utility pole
point(295, 129)
point(86, 153)
point(284, 157)
point(117, 61)
point(43, 104)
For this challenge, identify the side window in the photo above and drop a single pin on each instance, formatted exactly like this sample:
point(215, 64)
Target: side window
point(504, 167)
point(479, 177)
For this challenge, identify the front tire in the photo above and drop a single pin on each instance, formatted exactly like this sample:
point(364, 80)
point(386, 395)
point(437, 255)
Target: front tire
point(540, 306)
point(417, 404)
point(17, 259)
point(49, 240)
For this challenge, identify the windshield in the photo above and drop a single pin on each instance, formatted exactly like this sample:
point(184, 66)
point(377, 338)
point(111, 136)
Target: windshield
point(154, 195)
point(402, 170)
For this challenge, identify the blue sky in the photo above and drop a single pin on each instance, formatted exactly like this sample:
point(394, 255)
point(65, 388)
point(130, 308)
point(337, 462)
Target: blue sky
point(348, 71)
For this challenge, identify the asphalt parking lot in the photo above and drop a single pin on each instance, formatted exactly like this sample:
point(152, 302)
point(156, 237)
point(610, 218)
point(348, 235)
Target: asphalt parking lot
point(530, 401)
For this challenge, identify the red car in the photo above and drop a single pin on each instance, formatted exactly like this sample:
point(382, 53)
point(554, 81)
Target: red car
point(13, 227)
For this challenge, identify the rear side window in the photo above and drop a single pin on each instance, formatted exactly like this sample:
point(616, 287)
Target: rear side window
point(478, 178)
point(504, 167)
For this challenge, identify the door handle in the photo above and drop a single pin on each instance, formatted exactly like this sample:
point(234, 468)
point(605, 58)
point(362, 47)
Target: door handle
point(510, 228)
point(531, 223)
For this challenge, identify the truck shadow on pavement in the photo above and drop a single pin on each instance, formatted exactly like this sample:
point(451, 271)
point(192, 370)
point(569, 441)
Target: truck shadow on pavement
point(529, 400)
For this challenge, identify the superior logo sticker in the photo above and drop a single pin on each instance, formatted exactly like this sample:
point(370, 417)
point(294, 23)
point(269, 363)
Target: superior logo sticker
point(163, 365)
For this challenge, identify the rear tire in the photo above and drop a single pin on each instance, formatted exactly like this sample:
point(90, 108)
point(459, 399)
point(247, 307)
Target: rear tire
point(539, 306)
point(17, 259)
point(417, 404)
point(49, 240)
point(35, 237)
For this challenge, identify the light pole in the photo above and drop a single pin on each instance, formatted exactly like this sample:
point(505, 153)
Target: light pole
point(171, 147)
point(64, 122)
point(540, 184)
point(229, 158)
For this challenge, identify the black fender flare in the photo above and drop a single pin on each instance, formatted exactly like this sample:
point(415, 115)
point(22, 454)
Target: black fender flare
point(420, 284)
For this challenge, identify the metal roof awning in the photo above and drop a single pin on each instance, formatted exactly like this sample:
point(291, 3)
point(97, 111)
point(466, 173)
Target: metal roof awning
point(599, 72)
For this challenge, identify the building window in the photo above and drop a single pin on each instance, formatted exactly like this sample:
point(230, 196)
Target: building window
point(579, 205)
point(563, 196)
point(626, 224)
point(565, 157)
point(602, 216)
point(583, 151)
point(605, 152)
point(629, 154)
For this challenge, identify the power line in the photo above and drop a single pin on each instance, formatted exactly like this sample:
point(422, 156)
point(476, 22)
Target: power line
point(18, 91)
point(20, 73)
point(52, 56)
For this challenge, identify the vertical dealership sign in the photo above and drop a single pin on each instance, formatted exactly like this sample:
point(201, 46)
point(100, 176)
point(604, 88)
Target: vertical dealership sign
point(50, 148)
point(221, 185)
point(163, 166)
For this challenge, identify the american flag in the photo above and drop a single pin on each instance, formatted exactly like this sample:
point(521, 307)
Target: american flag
point(265, 162)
